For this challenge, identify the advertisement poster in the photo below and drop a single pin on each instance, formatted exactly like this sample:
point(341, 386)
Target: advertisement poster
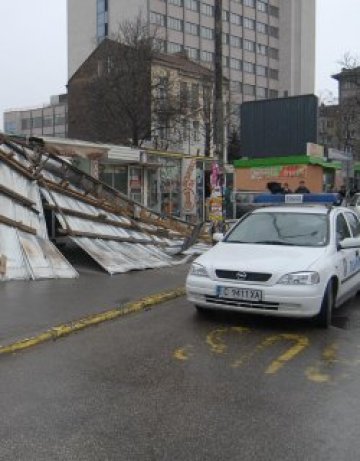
point(215, 205)
point(288, 171)
point(188, 190)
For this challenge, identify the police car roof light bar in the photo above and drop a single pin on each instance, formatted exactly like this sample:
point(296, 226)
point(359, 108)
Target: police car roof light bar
point(298, 199)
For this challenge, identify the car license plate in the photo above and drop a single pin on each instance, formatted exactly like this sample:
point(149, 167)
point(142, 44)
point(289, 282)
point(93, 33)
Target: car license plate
point(242, 294)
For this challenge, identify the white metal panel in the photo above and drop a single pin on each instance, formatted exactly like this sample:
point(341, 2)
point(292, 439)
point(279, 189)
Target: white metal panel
point(43, 258)
point(106, 256)
point(60, 266)
point(16, 265)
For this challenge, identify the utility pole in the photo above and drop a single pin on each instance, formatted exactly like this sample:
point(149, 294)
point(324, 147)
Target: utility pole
point(219, 102)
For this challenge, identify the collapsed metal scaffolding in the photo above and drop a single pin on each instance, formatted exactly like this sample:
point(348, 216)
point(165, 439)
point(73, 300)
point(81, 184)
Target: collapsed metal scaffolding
point(45, 199)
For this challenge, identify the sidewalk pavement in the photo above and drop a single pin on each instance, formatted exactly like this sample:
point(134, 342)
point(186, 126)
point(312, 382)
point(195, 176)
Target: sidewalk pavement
point(29, 308)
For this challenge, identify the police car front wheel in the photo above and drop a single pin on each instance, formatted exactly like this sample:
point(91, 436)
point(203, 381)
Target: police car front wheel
point(323, 319)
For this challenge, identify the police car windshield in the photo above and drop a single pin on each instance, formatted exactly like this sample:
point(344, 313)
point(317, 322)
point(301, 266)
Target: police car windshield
point(281, 228)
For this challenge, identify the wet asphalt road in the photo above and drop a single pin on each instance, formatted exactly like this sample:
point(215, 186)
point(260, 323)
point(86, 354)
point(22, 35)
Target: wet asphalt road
point(170, 384)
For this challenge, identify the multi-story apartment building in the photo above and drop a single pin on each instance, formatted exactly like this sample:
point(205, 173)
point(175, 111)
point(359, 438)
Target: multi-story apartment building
point(170, 107)
point(268, 45)
point(48, 120)
point(339, 125)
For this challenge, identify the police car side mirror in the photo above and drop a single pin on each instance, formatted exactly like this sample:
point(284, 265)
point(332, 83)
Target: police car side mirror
point(349, 243)
point(218, 237)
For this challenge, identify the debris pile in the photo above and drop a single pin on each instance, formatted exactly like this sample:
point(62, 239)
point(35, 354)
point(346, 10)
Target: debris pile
point(45, 199)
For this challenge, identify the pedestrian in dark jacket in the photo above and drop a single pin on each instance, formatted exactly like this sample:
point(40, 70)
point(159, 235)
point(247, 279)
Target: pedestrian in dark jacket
point(302, 189)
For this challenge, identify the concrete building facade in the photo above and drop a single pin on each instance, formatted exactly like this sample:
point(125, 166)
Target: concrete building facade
point(47, 120)
point(268, 45)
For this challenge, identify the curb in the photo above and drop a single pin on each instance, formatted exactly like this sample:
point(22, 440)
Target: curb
point(67, 329)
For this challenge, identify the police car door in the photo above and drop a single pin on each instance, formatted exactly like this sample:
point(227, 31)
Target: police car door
point(354, 224)
point(345, 258)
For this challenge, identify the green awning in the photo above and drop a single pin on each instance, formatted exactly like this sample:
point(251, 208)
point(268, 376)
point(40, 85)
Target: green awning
point(289, 160)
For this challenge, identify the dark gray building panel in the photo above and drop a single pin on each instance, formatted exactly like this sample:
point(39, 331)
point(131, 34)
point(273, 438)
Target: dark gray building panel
point(278, 127)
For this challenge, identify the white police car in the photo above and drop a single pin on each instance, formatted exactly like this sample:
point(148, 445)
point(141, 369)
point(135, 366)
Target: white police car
point(286, 260)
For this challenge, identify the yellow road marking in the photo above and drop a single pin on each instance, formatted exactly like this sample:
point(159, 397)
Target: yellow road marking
point(301, 343)
point(72, 327)
point(215, 338)
point(183, 353)
point(329, 356)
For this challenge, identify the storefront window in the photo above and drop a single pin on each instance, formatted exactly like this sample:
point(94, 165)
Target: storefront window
point(115, 176)
point(153, 192)
point(135, 182)
point(200, 190)
point(170, 186)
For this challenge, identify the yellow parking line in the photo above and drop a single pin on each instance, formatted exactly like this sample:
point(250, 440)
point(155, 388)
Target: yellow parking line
point(72, 327)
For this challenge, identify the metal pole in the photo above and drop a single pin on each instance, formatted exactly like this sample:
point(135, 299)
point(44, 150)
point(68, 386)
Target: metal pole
point(219, 108)
point(219, 103)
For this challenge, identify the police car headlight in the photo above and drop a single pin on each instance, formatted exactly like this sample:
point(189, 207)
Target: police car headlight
point(300, 278)
point(198, 270)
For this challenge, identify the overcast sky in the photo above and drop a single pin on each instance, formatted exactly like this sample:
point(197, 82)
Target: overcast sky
point(33, 48)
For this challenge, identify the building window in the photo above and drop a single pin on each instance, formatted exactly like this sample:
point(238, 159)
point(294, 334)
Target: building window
point(157, 18)
point(191, 28)
point(273, 94)
point(250, 3)
point(59, 119)
point(37, 122)
point(195, 96)
point(235, 64)
point(226, 61)
point(235, 19)
point(196, 131)
point(249, 90)
point(207, 10)
point(261, 27)
point(192, 5)
point(25, 124)
point(249, 45)
point(193, 53)
point(207, 56)
point(274, 11)
point(102, 19)
point(226, 39)
point(226, 15)
point(10, 126)
point(184, 95)
point(249, 23)
point(207, 33)
point(262, 71)
point(262, 6)
point(274, 74)
point(235, 41)
point(176, 2)
point(261, 93)
point(273, 53)
point(261, 49)
point(249, 67)
point(48, 121)
point(274, 31)
point(173, 48)
point(236, 87)
point(175, 24)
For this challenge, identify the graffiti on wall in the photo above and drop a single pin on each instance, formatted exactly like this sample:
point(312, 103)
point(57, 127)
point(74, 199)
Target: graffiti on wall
point(288, 171)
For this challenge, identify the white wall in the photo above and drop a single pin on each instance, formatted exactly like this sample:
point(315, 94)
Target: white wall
point(297, 47)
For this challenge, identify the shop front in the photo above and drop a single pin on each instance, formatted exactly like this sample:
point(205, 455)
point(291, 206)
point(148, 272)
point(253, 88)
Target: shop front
point(254, 174)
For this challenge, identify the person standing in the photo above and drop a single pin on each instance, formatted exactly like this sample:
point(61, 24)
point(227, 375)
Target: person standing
point(302, 189)
point(287, 189)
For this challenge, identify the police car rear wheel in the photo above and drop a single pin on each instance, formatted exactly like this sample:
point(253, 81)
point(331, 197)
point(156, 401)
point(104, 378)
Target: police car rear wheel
point(324, 317)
